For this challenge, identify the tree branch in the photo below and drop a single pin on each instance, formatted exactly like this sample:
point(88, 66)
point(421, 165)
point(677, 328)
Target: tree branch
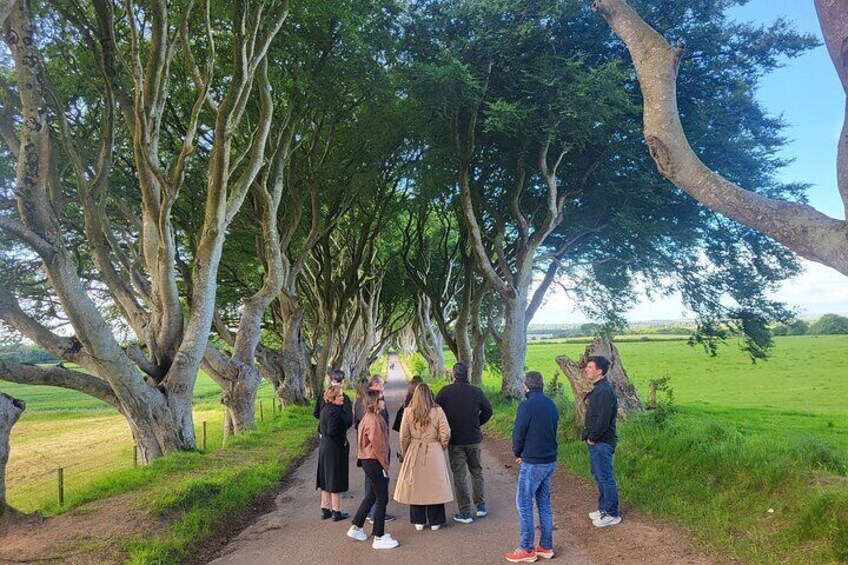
point(58, 376)
point(799, 227)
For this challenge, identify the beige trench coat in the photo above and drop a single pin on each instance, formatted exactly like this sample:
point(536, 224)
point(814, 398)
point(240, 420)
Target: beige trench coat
point(424, 477)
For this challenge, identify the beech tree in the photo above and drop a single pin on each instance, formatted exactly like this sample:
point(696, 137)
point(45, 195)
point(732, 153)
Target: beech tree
point(803, 229)
point(134, 50)
point(540, 124)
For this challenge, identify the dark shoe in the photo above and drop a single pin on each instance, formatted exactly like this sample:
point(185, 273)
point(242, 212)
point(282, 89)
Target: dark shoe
point(463, 518)
point(326, 513)
point(339, 516)
point(389, 518)
point(481, 511)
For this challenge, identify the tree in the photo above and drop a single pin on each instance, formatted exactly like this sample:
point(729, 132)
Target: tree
point(829, 324)
point(136, 265)
point(796, 225)
point(10, 410)
point(539, 124)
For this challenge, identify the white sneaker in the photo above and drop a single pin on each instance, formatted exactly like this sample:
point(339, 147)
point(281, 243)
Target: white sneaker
point(606, 520)
point(385, 542)
point(436, 527)
point(595, 515)
point(419, 527)
point(357, 533)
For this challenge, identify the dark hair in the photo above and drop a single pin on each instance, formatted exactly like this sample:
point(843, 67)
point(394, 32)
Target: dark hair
point(337, 375)
point(533, 380)
point(460, 371)
point(361, 387)
point(372, 397)
point(410, 388)
point(600, 362)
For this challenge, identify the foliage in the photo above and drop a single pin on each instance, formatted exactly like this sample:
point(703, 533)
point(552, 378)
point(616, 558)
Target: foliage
point(20, 353)
point(791, 327)
point(664, 408)
point(829, 324)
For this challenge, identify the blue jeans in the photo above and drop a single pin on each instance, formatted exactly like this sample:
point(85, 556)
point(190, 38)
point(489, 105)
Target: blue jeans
point(534, 482)
point(600, 460)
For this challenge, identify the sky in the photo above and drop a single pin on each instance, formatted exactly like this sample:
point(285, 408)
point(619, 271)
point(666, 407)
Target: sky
point(806, 92)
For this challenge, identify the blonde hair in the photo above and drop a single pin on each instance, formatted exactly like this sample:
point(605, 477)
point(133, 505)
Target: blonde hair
point(420, 406)
point(331, 393)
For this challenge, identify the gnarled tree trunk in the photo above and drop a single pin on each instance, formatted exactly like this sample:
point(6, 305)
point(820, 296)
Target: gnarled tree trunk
point(628, 400)
point(10, 410)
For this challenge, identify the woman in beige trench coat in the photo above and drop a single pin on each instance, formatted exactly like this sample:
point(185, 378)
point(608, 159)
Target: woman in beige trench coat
point(424, 482)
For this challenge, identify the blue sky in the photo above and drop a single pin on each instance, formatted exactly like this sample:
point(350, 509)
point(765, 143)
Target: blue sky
point(806, 92)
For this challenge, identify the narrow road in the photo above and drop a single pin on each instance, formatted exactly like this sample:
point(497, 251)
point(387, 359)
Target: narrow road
point(293, 533)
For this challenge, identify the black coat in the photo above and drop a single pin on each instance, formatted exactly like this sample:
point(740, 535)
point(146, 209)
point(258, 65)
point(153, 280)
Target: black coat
point(334, 450)
point(347, 406)
point(601, 411)
point(466, 408)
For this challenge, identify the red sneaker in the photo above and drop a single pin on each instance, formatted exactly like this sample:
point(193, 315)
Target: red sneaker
point(544, 553)
point(521, 556)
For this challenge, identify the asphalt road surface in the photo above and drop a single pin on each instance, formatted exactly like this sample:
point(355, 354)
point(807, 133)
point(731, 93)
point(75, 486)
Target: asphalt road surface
point(293, 533)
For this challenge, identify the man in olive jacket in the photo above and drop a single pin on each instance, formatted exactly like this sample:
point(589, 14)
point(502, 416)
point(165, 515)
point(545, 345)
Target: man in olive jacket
point(601, 439)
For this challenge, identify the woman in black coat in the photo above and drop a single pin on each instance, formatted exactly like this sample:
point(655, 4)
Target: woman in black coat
point(333, 454)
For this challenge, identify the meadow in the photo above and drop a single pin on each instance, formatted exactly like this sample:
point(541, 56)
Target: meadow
point(87, 438)
point(751, 459)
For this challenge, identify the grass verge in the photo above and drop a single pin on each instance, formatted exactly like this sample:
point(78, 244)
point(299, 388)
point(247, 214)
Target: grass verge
point(757, 494)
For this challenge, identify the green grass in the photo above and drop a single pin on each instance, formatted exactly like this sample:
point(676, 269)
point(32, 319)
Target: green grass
point(89, 440)
point(745, 439)
point(213, 489)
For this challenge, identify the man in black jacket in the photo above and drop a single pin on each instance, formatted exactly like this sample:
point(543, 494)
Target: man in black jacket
point(600, 437)
point(534, 444)
point(466, 408)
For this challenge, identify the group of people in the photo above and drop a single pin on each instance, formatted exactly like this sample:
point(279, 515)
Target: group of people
point(534, 444)
point(428, 427)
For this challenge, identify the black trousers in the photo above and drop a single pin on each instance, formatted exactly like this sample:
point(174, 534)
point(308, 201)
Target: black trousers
point(377, 496)
point(433, 514)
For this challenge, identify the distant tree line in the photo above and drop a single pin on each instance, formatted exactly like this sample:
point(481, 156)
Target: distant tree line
point(829, 324)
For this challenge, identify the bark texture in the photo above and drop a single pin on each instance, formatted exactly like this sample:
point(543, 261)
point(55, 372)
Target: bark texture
point(799, 227)
point(628, 399)
point(10, 410)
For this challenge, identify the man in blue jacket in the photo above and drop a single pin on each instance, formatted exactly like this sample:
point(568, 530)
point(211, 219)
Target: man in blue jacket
point(534, 444)
point(601, 439)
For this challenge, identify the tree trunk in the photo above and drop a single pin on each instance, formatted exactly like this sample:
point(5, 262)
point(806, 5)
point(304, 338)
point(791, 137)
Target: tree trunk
point(478, 332)
point(239, 398)
point(10, 410)
point(513, 347)
point(628, 400)
point(294, 361)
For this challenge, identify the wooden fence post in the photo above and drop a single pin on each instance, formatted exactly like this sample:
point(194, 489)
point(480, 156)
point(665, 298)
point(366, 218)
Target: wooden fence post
point(203, 435)
point(60, 475)
point(261, 412)
point(135, 455)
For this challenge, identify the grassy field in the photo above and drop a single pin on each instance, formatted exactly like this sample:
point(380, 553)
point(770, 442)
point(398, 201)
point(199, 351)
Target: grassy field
point(802, 389)
point(87, 438)
point(753, 461)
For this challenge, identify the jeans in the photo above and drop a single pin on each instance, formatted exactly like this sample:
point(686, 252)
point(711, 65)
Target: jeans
point(462, 457)
point(377, 496)
point(600, 460)
point(534, 482)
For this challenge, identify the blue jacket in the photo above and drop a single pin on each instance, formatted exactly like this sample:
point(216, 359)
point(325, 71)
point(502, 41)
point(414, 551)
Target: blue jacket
point(534, 436)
